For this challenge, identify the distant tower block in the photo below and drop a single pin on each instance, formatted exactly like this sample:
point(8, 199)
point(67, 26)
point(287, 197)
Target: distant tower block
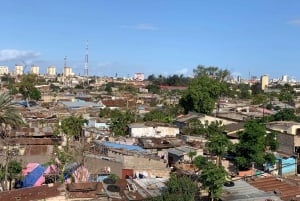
point(264, 80)
point(51, 71)
point(35, 70)
point(18, 69)
point(68, 71)
point(3, 70)
point(86, 70)
point(284, 78)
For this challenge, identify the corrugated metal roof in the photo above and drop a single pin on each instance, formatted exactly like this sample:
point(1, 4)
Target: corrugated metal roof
point(243, 191)
point(79, 104)
point(180, 151)
point(153, 186)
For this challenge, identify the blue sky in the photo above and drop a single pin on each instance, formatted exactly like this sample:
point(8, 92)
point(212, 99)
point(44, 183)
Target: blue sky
point(153, 36)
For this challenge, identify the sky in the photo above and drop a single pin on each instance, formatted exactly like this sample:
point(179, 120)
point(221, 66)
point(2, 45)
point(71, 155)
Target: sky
point(160, 37)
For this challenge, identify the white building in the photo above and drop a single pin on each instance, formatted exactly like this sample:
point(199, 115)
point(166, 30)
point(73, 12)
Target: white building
point(19, 69)
point(284, 78)
point(3, 70)
point(68, 72)
point(264, 81)
point(51, 71)
point(35, 70)
point(139, 76)
point(156, 130)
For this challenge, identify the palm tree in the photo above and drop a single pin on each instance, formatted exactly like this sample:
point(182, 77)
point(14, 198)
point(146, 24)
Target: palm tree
point(218, 142)
point(218, 145)
point(9, 118)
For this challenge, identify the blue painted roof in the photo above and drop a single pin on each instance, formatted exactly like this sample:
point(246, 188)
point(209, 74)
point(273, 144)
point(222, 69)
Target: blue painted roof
point(123, 146)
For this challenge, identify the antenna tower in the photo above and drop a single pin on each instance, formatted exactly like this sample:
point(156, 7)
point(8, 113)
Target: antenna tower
point(65, 65)
point(86, 70)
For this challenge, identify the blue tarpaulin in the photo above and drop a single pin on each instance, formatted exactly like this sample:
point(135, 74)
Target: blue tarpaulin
point(123, 146)
point(33, 176)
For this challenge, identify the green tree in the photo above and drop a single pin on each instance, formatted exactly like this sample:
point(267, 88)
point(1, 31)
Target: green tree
point(218, 143)
point(119, 124)
point(260, 99)
point(13, 172)
point(109, 113)
point(191, 155)
point(202, 94)
point(27, 87)
point(244, 91)
point(35, 94)
point(200, 162)
point(193, 127)
point(72, 127)
point(211, 71)
point(212, 179)
point(256, 89)
point(9, 118)
point(252, 146)
point(153, 88)
point(178, 188)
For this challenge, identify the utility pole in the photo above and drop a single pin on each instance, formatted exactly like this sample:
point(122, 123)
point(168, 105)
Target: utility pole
point(86, 71)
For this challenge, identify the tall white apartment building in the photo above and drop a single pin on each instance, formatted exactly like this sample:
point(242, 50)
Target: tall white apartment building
point(264, 80)
point(68, 72)
point(18, 69)
point(51, 71)
point(35, 70)
point(4, 70)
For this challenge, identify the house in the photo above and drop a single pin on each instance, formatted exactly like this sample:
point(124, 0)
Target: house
point(44, 192)
point(125, 160)
point(152, 129)
point(183, 120)
point(181, 154)
point(288, 136)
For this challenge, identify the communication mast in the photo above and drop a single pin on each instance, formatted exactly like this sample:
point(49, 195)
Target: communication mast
point(86, 71)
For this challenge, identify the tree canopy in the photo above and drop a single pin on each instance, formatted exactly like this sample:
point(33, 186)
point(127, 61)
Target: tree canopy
point(204, 90)
point(27, 88)
point(212, 179)
point(218, 143)
point(252, 146)
point(72, 126)
point(178, 188)
point(119, 123)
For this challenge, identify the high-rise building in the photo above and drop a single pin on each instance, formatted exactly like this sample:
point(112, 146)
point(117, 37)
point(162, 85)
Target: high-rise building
point(284, 78)
point(19, 69)
point(35, 70)
point(68, 72)
point(51, 71)
point(264, 80)
point(3, 70)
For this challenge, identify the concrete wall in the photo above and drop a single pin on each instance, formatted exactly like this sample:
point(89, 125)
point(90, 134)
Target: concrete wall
point(150, 131)
point(286, 143)
point(150, 166)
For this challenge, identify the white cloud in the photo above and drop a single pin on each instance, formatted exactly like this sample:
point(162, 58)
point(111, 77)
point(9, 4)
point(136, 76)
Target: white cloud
point(182, 71)
point(294, 22)
point(141, 27)
point(13, 54)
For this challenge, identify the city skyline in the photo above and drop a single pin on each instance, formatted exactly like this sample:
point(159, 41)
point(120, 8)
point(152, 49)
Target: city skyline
point(153, 37)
